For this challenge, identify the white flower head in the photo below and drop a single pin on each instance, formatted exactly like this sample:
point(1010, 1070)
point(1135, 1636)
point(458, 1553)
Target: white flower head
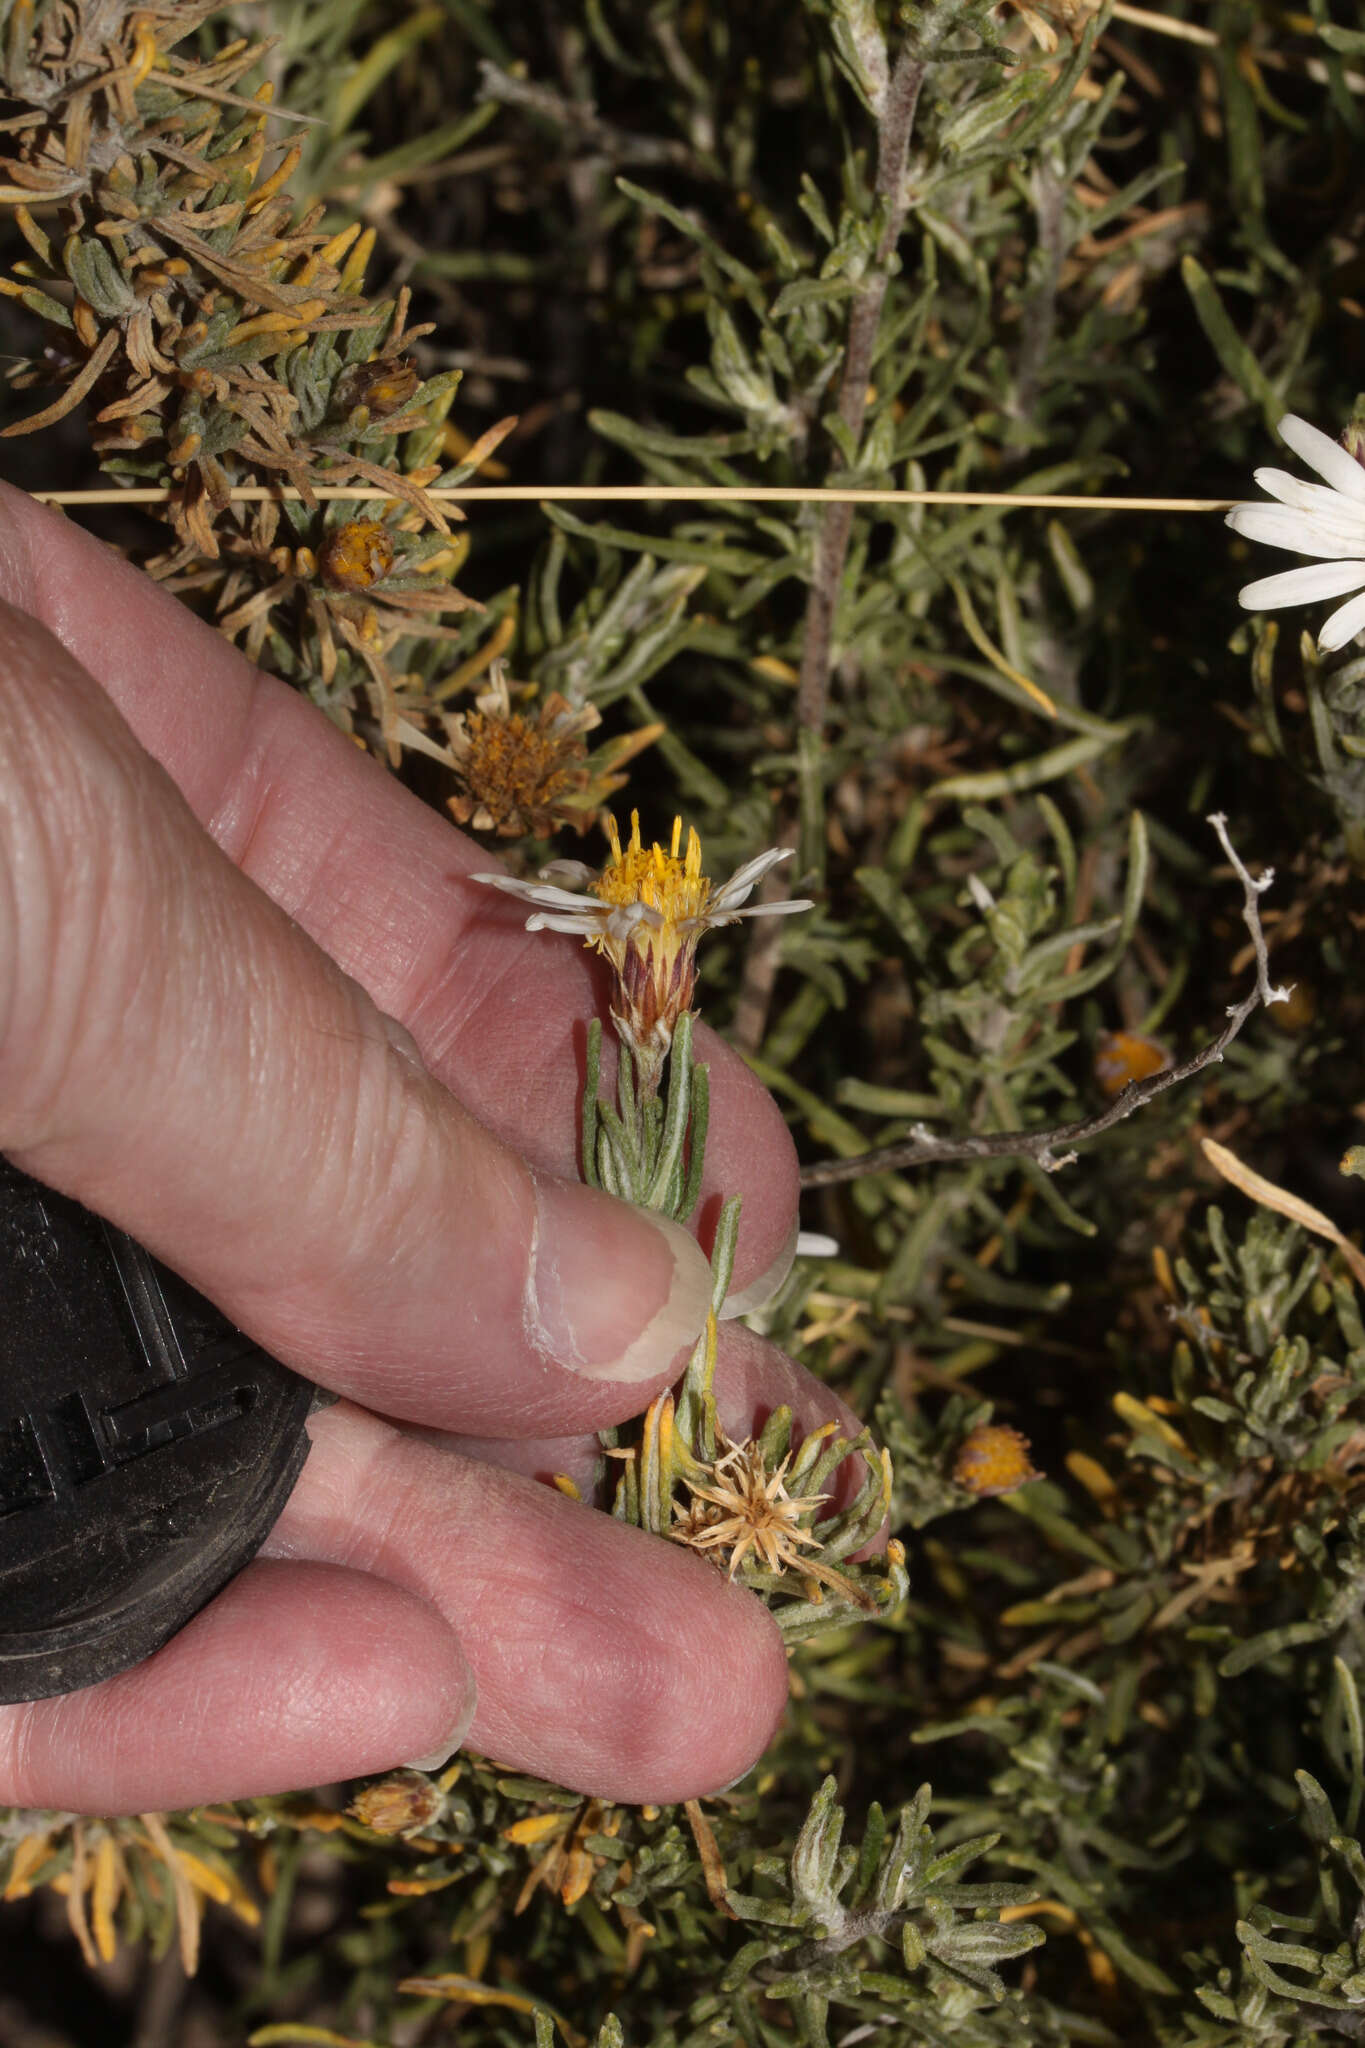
point(1326, 520)
point(646, 910)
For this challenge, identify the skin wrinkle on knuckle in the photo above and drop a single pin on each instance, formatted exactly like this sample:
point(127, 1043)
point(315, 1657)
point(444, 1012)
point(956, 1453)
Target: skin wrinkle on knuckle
point(384, 1154)
point(453, 1012)
point(295, 855)
point(364, 1526)
point(240, 807)
point(67, 864)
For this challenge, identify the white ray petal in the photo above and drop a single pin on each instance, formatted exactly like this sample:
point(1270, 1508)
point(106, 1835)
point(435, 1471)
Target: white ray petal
point(571, 871)
point(775, 909)
point(584, 926)
point(743, 879)
point(1303, 533)
point(813, 1244)
point(625, 918)
point(1302, 586)
point(1343, 625)
point(1320, 498)
point(1324, 455)
point(542, 893)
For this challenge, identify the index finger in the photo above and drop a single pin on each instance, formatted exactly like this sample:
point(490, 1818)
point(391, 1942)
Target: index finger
point(379, 880)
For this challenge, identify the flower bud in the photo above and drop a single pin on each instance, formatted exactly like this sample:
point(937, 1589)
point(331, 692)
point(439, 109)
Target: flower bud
point(993, 1459)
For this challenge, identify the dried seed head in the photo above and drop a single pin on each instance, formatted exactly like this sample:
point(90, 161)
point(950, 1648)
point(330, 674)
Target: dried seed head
point(402, 1804)
point(746, 1515)
point(356, 555)
point(993, 1459)
point(522, 771)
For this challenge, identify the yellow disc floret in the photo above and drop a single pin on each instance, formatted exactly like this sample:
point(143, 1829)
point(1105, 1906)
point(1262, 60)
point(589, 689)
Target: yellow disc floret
point(676, 888)
point(658, 904)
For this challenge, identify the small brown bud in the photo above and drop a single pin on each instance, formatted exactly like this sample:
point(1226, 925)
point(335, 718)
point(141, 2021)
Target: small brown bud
point(402, 1804)
point(355, 555)
point(993, 1459)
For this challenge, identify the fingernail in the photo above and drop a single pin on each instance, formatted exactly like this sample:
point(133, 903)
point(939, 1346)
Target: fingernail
point(613, 1292)
point(441, 1755)
point(745, 1300)
point(438, 1759)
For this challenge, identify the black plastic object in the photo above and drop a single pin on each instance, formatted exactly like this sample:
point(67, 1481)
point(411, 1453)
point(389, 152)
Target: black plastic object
point(146, 1446)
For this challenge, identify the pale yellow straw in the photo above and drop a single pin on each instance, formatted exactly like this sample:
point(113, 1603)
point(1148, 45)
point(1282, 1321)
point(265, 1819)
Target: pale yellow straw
point(642, 494)
point(1191, 32)
point(1164, 24)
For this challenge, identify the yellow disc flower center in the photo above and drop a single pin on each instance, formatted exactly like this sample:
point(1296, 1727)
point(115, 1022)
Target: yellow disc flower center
point(674, 886)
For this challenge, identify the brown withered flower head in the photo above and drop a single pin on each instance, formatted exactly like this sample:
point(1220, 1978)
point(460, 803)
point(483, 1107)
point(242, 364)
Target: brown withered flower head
point(530, 771)
point(402, 1804)
point(356, 554)
point(379, 389)
point(739, 1509)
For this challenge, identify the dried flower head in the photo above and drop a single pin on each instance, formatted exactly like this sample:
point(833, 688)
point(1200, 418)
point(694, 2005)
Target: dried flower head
point(381, 388)
point(356, 554)
point(522, 771)
point(994, 1459)
point(404, 1803)
point(650, 911)
point(740, 1508)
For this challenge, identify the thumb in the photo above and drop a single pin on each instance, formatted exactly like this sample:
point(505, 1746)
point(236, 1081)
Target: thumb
point(178, 1054)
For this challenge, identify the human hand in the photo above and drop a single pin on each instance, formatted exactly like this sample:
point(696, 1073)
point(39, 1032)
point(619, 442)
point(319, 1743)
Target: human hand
point(252, 1010)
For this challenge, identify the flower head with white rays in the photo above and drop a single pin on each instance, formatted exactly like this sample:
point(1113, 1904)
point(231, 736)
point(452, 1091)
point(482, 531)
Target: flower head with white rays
point(646, 910)
point(1325, 520)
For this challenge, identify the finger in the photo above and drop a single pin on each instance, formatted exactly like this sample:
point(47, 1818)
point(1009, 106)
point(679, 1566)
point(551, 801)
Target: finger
point(177, 1054)
point(605, 1659)
point(378, 880)
point(297, 1674)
